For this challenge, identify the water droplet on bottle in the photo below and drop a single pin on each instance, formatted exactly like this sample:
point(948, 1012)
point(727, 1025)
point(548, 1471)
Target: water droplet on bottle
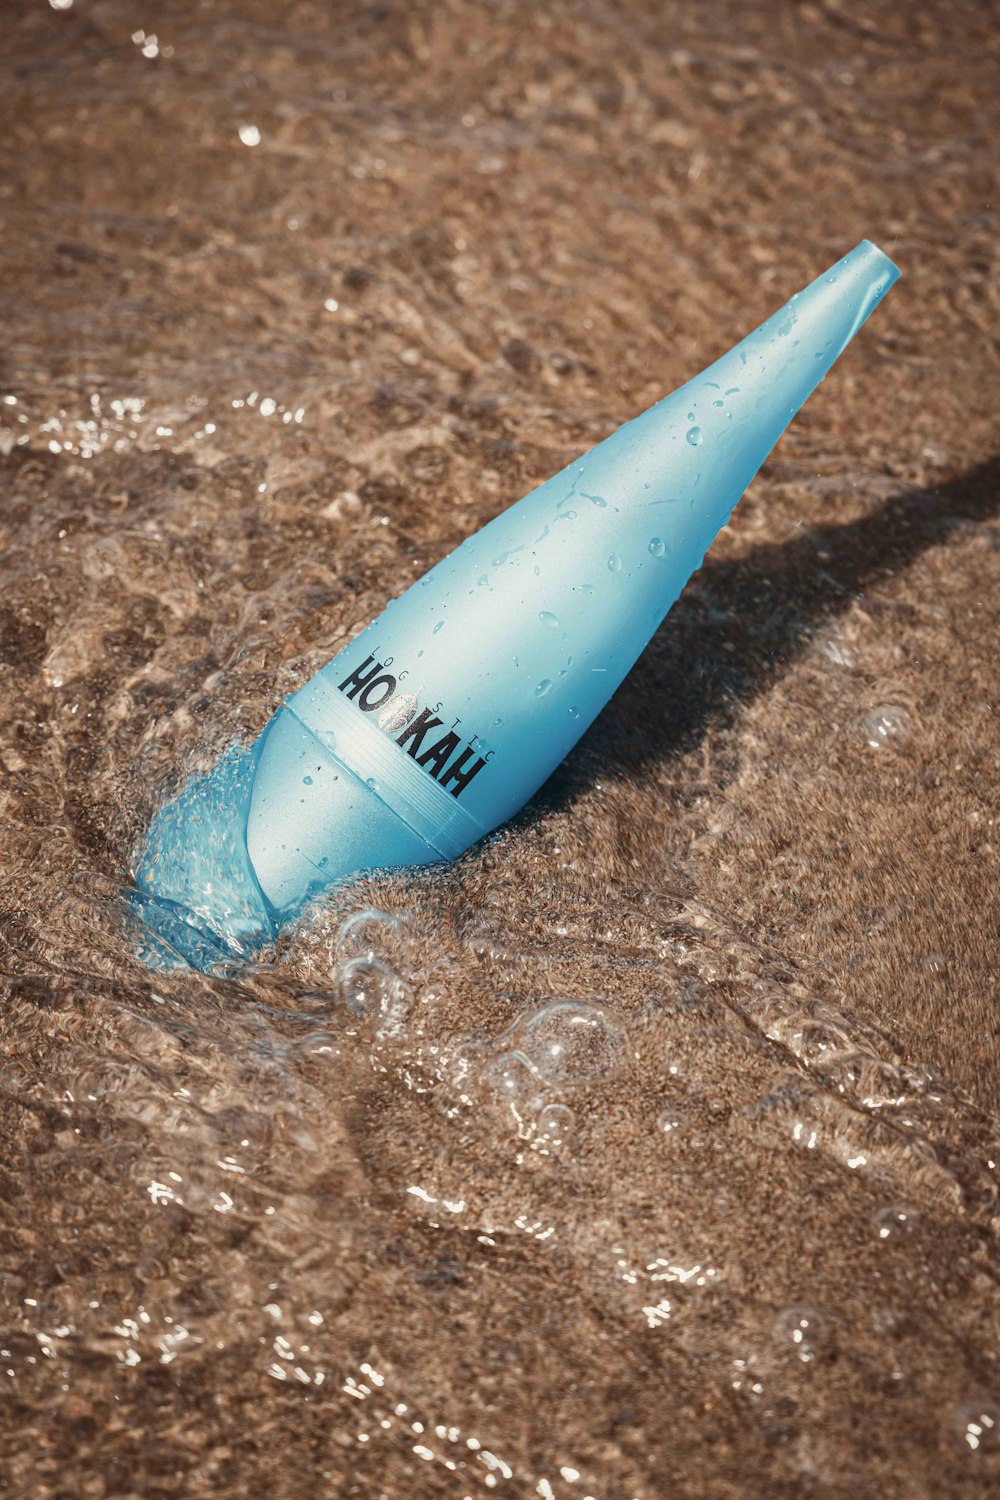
point(547, 618)
point(657, 546)
point(398, 712)
point(307, 781)
point(542, 688)
point(437, 627)
point(887, 725)
point(587, 588)
point(614, 564)
point(574, 713)
point(694, 436)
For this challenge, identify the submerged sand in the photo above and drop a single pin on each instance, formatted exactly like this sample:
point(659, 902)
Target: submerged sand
point(294, 297)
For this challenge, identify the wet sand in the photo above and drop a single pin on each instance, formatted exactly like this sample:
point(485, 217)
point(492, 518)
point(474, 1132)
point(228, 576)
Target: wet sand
point(294, 297)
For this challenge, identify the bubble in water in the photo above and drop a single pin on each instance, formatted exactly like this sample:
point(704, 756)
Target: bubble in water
point(548, 618)
point(870, 1080)
point(895, 1222)
point(371, 934)
point(555, 1122)
point(805, 1330)
point(680, 1123)
point(323, 1045)
point(574, 713)
point(374, 992)
point(614, 563)
point(657, 546)
point(674, 1121)
point(886, 725)
point(694, 436)
point(513, 1082)
point(568, 1042)
point(815, 1041)
point(979, 1425)
point(542, 688)
point(837, 650)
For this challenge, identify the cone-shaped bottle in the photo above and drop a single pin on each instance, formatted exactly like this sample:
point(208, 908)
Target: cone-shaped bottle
point(443, 717)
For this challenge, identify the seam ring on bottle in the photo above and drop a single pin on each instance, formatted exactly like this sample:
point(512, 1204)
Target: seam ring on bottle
point(394, 776)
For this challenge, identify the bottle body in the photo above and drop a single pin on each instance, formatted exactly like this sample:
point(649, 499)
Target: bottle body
point(443, 717)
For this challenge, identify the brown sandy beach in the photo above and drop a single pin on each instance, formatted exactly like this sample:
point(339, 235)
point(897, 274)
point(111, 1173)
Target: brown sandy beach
point(294, 296)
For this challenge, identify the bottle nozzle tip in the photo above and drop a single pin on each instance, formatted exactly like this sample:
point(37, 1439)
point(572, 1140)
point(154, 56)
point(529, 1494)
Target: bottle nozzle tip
point(880, 259)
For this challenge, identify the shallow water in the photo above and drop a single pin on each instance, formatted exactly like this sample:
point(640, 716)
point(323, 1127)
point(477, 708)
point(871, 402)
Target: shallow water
point(652, 1149)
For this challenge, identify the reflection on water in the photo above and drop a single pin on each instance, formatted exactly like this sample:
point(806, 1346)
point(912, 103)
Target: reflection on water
point(651, 1149)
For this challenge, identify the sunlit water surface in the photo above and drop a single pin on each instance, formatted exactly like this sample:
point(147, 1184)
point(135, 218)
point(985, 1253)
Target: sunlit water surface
point(652, 1149)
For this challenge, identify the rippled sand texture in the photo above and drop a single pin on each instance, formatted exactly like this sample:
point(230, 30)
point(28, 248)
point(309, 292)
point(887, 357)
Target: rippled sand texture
point(652, 1151)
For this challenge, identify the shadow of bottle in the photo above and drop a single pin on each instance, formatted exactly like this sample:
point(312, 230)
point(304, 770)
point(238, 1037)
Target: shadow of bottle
point(740, 624)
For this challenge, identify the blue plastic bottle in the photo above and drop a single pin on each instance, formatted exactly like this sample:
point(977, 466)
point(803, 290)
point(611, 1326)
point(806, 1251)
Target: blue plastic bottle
point(442, 718)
